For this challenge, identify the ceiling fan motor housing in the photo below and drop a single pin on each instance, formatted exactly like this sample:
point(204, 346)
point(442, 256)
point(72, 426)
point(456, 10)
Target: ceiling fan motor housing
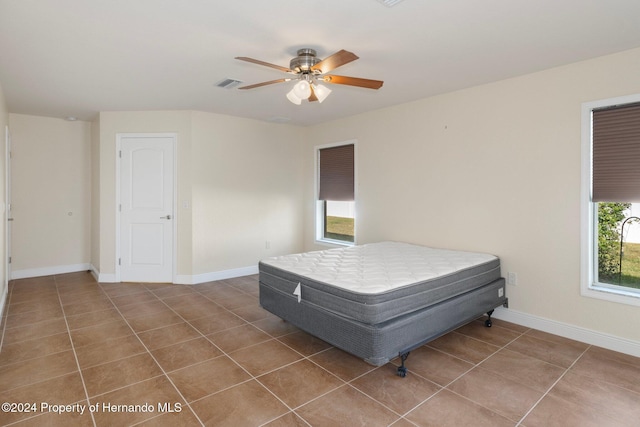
point(304, 61)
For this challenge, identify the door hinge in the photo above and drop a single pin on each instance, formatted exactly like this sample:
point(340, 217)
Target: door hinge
point(119, 261)
point(120, 153)
point(9, 260)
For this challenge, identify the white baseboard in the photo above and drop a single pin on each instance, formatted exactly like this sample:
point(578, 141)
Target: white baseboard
point(566, 330)
point(183, 279)
point(3, 306)
point(48, 271)
point(101, 277)
point(186, 279)
point(3, 299)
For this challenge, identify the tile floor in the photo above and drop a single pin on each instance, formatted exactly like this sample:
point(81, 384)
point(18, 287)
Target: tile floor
point(129, 354)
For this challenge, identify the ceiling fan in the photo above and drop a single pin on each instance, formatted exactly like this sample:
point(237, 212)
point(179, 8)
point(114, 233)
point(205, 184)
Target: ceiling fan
point(311, 70)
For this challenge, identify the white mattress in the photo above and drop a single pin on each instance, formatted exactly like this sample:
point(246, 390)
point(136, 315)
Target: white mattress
point(378, 267)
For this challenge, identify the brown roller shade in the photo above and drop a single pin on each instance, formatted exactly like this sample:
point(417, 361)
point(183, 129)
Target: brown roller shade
point(616, 154)
point(336, 173)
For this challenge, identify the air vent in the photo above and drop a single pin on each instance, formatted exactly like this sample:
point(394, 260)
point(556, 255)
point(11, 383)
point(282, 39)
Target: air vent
point(389, 3)
point(228, 83)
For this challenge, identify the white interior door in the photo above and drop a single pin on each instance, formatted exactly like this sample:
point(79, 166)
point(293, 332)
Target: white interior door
point(146, 208)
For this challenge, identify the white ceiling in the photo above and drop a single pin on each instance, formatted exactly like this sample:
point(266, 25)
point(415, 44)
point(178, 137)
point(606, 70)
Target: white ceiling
point(78, 57)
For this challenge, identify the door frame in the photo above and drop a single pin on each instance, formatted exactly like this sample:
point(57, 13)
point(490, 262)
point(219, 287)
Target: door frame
point(174, 257)
point(7, 206)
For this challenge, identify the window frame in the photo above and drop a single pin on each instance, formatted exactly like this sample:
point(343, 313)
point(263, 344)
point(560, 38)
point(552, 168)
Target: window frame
point(589, 213)
point(320, 217)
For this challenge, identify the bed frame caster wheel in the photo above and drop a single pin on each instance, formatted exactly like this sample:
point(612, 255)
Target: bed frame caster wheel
point(487, 322)
point(402, 370)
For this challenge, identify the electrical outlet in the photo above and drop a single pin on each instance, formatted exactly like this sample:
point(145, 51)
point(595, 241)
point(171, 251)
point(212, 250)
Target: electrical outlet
point(512, 278)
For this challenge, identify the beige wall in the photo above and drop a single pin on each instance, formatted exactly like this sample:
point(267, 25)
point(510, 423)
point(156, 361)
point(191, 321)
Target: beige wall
point(247, 183)
point(493, 168)
point(51, 185)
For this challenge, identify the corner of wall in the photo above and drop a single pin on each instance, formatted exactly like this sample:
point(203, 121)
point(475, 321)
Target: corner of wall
point(95, 192)
point(4, 128)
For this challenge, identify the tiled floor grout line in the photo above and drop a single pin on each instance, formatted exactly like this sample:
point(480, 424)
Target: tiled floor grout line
point(5, 316)
point(349, 382)
point(307, 358)
point(38, 381)
point(504, 347)
point(153, 357)
point(284, 415)
point(552, 386)
point(73, 348)
point(461, 375)
point(257, 378)
point(251, 376)
point(401, 416)
point(376, 400)
point(202, 335)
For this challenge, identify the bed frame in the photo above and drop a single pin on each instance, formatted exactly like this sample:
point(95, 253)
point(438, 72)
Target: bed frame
point(377, 342)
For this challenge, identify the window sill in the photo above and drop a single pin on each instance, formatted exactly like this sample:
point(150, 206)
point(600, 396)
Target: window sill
point(330, 242)
point(613, 294)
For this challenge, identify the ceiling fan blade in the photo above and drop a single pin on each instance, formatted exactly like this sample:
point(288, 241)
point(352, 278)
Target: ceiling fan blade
point(353, 81)
point(264, 84)
point(312, 97)
point(266, 64)
point(334, 61)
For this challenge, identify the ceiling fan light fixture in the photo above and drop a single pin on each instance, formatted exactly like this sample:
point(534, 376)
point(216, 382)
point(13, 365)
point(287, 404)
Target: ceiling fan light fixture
point(302, 89)
point(321, 92)
point(291, 96)
point(308, 70)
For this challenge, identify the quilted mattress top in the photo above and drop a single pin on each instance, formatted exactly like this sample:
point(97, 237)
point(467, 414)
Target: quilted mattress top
point(378, 267)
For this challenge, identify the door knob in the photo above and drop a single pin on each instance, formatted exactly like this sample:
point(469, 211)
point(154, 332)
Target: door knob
point(166, 217)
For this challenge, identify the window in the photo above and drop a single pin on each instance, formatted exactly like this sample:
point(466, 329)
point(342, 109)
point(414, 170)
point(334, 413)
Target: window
point(611, 199)
point(335, 203)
